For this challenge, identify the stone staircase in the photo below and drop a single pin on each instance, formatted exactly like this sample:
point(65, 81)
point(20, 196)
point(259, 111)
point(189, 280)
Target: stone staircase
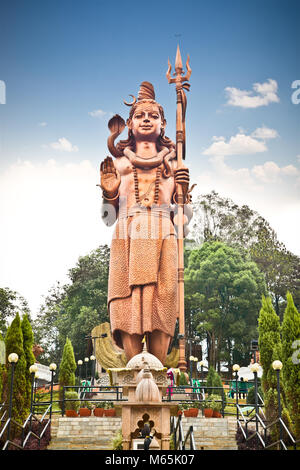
point(90, 433)
point(97, 433)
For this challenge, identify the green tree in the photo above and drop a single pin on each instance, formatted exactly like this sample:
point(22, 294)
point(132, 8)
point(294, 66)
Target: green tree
point(28, 341)
point(270, 349)
point(14, 344)
point(225, 287)
point(67, 367)
point(74, 309)
point(291, 360)
point(220, 219)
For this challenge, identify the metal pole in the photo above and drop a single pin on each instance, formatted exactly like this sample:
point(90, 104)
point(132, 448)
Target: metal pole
point(236, 395)
point(10, 398)
point(51, 393)
point(279, 407)
point(256, 400)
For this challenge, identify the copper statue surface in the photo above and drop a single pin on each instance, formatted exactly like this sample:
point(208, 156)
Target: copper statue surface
point(142, 189)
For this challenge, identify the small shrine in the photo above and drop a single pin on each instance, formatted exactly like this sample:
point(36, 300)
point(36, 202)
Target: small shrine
point(144, 381)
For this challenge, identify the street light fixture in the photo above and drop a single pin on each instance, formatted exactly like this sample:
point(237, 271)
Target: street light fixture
point(86, 360)
point(255, 368)
point(92, 358)
point(80, 362)
point(235, 369)
point(277, 366)
point(12, 359)
point(52, 367)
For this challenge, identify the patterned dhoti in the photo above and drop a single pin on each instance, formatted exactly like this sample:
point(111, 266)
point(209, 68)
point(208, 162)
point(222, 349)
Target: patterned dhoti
point(142, 286)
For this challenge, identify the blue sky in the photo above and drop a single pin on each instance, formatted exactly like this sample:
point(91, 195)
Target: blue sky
point(63, 60)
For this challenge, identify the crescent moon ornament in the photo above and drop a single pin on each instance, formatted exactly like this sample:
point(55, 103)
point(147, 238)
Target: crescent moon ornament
point(132, 103)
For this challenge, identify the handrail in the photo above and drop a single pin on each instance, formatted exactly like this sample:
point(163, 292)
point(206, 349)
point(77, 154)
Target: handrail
point(190, 434)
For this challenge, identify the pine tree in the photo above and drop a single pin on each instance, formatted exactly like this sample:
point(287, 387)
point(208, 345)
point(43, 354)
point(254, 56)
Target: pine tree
point(29, 356)
point(291, 362)
point(270, 349)
point(67, 367)
point(14, 344)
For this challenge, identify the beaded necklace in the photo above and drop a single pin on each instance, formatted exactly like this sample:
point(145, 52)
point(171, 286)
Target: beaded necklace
point(155, 183)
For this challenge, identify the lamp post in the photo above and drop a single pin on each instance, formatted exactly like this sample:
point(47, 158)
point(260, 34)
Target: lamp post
point(79, 367)
point(195, 361)
point(201, 366)
point(254, 368)
point(191, 360)
point(277, 366)
point(12, 359)
point(86, 360)
point(32, 369)
point(235, 369)
point(52, 367)
point(92, 358)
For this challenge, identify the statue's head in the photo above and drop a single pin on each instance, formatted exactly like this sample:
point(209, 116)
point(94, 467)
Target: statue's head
point(146, 120)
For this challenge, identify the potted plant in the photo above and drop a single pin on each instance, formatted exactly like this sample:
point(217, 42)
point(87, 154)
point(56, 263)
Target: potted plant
point(85, 409)
point(189, 410)
point(109, 409)
point(99, 408)
point(71, 407)
point(216, 406)
point(207, 408)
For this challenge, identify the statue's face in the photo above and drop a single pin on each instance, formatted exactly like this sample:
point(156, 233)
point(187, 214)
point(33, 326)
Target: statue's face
point(146, 122)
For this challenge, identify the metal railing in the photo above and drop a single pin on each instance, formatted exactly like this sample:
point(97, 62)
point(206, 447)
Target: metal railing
point(262, 430)
point(180, 441)
point(25, 430)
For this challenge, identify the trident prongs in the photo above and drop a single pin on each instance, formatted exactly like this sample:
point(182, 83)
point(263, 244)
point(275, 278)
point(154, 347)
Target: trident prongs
point(178, 75)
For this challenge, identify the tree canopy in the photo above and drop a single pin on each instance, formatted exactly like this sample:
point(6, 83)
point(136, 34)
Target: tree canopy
point(223, 295)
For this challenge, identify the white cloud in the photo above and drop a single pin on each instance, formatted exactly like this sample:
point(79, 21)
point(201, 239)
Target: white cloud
point(42, 124)
point(98, 113)
point(49, 216)
point(262, 95)
point(240, 144)
point(264, 133)
point(64, 145)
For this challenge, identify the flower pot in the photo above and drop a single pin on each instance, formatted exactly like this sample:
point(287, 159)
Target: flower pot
point(217, 414)
point(208, 412)
point(194, 412)
point(110, 412)
point(179, 413)
point(71, 413)
point(85, 412)
point(98, 412)
point(187, 413)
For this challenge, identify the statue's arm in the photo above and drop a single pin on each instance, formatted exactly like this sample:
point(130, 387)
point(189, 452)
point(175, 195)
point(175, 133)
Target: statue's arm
point(110, 183)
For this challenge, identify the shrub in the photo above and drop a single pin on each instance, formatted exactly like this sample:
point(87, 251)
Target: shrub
point(183, 379)
point(72, 405)
point(117, 442)
point(251, 396)
point(67, 367)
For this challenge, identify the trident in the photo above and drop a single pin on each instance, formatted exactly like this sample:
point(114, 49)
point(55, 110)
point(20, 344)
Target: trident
point(181, 85)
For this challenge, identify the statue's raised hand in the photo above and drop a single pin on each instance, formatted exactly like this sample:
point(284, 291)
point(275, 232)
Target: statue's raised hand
point(110, 178)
